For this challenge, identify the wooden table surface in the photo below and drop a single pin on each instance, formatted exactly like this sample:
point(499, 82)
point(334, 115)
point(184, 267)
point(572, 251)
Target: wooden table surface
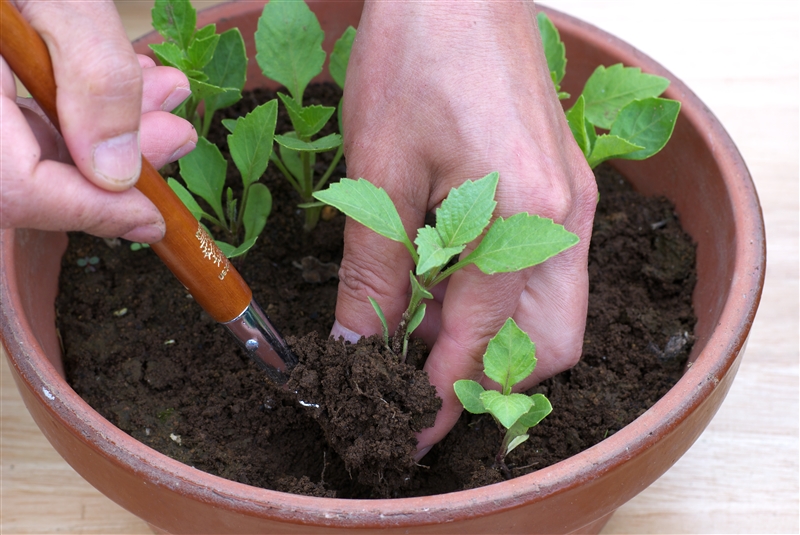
point(741, 476)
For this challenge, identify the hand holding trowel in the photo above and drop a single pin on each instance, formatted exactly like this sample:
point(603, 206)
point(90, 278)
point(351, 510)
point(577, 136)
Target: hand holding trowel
point(187, 250)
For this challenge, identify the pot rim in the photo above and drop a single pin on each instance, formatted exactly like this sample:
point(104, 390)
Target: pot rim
point(709, 367)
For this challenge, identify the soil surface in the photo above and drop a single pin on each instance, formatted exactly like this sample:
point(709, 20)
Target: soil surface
point(142, 353)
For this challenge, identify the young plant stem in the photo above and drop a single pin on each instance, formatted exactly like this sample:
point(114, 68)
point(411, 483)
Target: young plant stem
point(500, 461)
point(240, 216)
point(311, 217)
point(305, 159)
point(328, 172)
point(286, 173)
point(401, 334)
point(206, 126)
point(191, 113)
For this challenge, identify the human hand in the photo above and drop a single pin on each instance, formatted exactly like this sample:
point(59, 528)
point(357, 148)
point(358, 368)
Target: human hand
point(438, 93)
point(112, 105)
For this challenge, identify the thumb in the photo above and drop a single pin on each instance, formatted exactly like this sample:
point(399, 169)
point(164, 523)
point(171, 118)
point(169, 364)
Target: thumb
point(99, 84)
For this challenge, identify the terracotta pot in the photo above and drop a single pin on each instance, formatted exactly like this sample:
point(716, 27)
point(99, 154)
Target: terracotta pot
point(700, 170)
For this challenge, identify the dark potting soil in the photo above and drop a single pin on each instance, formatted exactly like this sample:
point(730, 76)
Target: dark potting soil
point(142, 353)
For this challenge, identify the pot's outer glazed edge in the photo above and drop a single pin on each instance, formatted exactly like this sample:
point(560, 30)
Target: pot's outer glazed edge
point(698, 381)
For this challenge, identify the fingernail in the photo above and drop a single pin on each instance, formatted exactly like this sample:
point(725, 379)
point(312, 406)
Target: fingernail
point(422, 453)
point(178, 95)
point(183, 151)
point(340, 331)
point(118, 159)
point(145, 234)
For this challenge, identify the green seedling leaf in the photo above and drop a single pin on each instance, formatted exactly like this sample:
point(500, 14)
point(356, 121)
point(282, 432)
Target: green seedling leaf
point(201, 51)
point(226, 248)
point(418, 289)
point(648, 123)
point(466, 211)
point(469, 394)
point(289, 45)
point(591, 135)
point(577, 124)
point(340, 56)
point(519, 242)
point(251, 142)
point(175, 20)
point(194, 74)
point(432, 251)
point(227, 69)
point(507, 409)
point(382, 317)
point(339, 116)
point(307, 120)
point(541, 407)
point(413, 323)
point(370, 206)
point(608, 90)
point(229, 124)
point(202, 90)
point(230, 205)
point(323, 144)
point(415, 320)
point(510, 356)
point(232, 252)
point(554, 50)
point(203, 170)
point(206, 31)
point(256, 210)
point(291, 158)
point(169, 54)
point(607, 147)
point(516, 441)
point(186, 197)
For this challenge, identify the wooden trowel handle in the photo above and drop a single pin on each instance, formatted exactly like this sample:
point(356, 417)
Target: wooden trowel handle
point(187, 250)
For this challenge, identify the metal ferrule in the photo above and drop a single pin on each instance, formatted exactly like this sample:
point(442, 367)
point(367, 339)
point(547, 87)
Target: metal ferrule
point(263, 343)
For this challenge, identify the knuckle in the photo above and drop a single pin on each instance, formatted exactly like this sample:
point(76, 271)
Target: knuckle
point(366, 276)
point(111, 74)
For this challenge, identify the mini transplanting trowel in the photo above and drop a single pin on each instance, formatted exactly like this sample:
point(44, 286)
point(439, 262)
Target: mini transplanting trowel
point(187, 249)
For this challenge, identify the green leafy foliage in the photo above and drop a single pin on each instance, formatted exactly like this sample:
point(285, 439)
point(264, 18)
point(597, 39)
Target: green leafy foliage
point(289, 51)
point(512, 244)
point(204, 171)
point(620, 100)
point(510, 357)
point(340, 56)
point(369, 205)
point(289, 45)
point(555, 52)
point(215, 64)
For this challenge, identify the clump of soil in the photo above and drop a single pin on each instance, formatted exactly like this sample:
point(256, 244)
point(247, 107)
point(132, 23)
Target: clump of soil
point(143, 354)
point(368, 403)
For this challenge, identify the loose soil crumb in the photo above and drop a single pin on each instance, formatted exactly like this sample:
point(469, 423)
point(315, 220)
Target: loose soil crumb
point(142, 353)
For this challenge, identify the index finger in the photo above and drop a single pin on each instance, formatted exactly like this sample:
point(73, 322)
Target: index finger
point(99, 84)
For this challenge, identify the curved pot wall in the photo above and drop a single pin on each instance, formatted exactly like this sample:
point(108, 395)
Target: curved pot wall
point(700, 170)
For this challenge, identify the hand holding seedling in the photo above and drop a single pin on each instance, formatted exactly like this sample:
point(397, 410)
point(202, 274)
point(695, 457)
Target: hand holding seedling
point(111, 109)
point(429, 105)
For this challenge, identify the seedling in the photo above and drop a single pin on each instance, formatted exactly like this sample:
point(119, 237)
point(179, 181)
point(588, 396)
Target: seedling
point(215, 64)
point(88, 263)
point(621, 101)
point(510, 357)
point(204, 171)
point(289, 51)
point(512, 244)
